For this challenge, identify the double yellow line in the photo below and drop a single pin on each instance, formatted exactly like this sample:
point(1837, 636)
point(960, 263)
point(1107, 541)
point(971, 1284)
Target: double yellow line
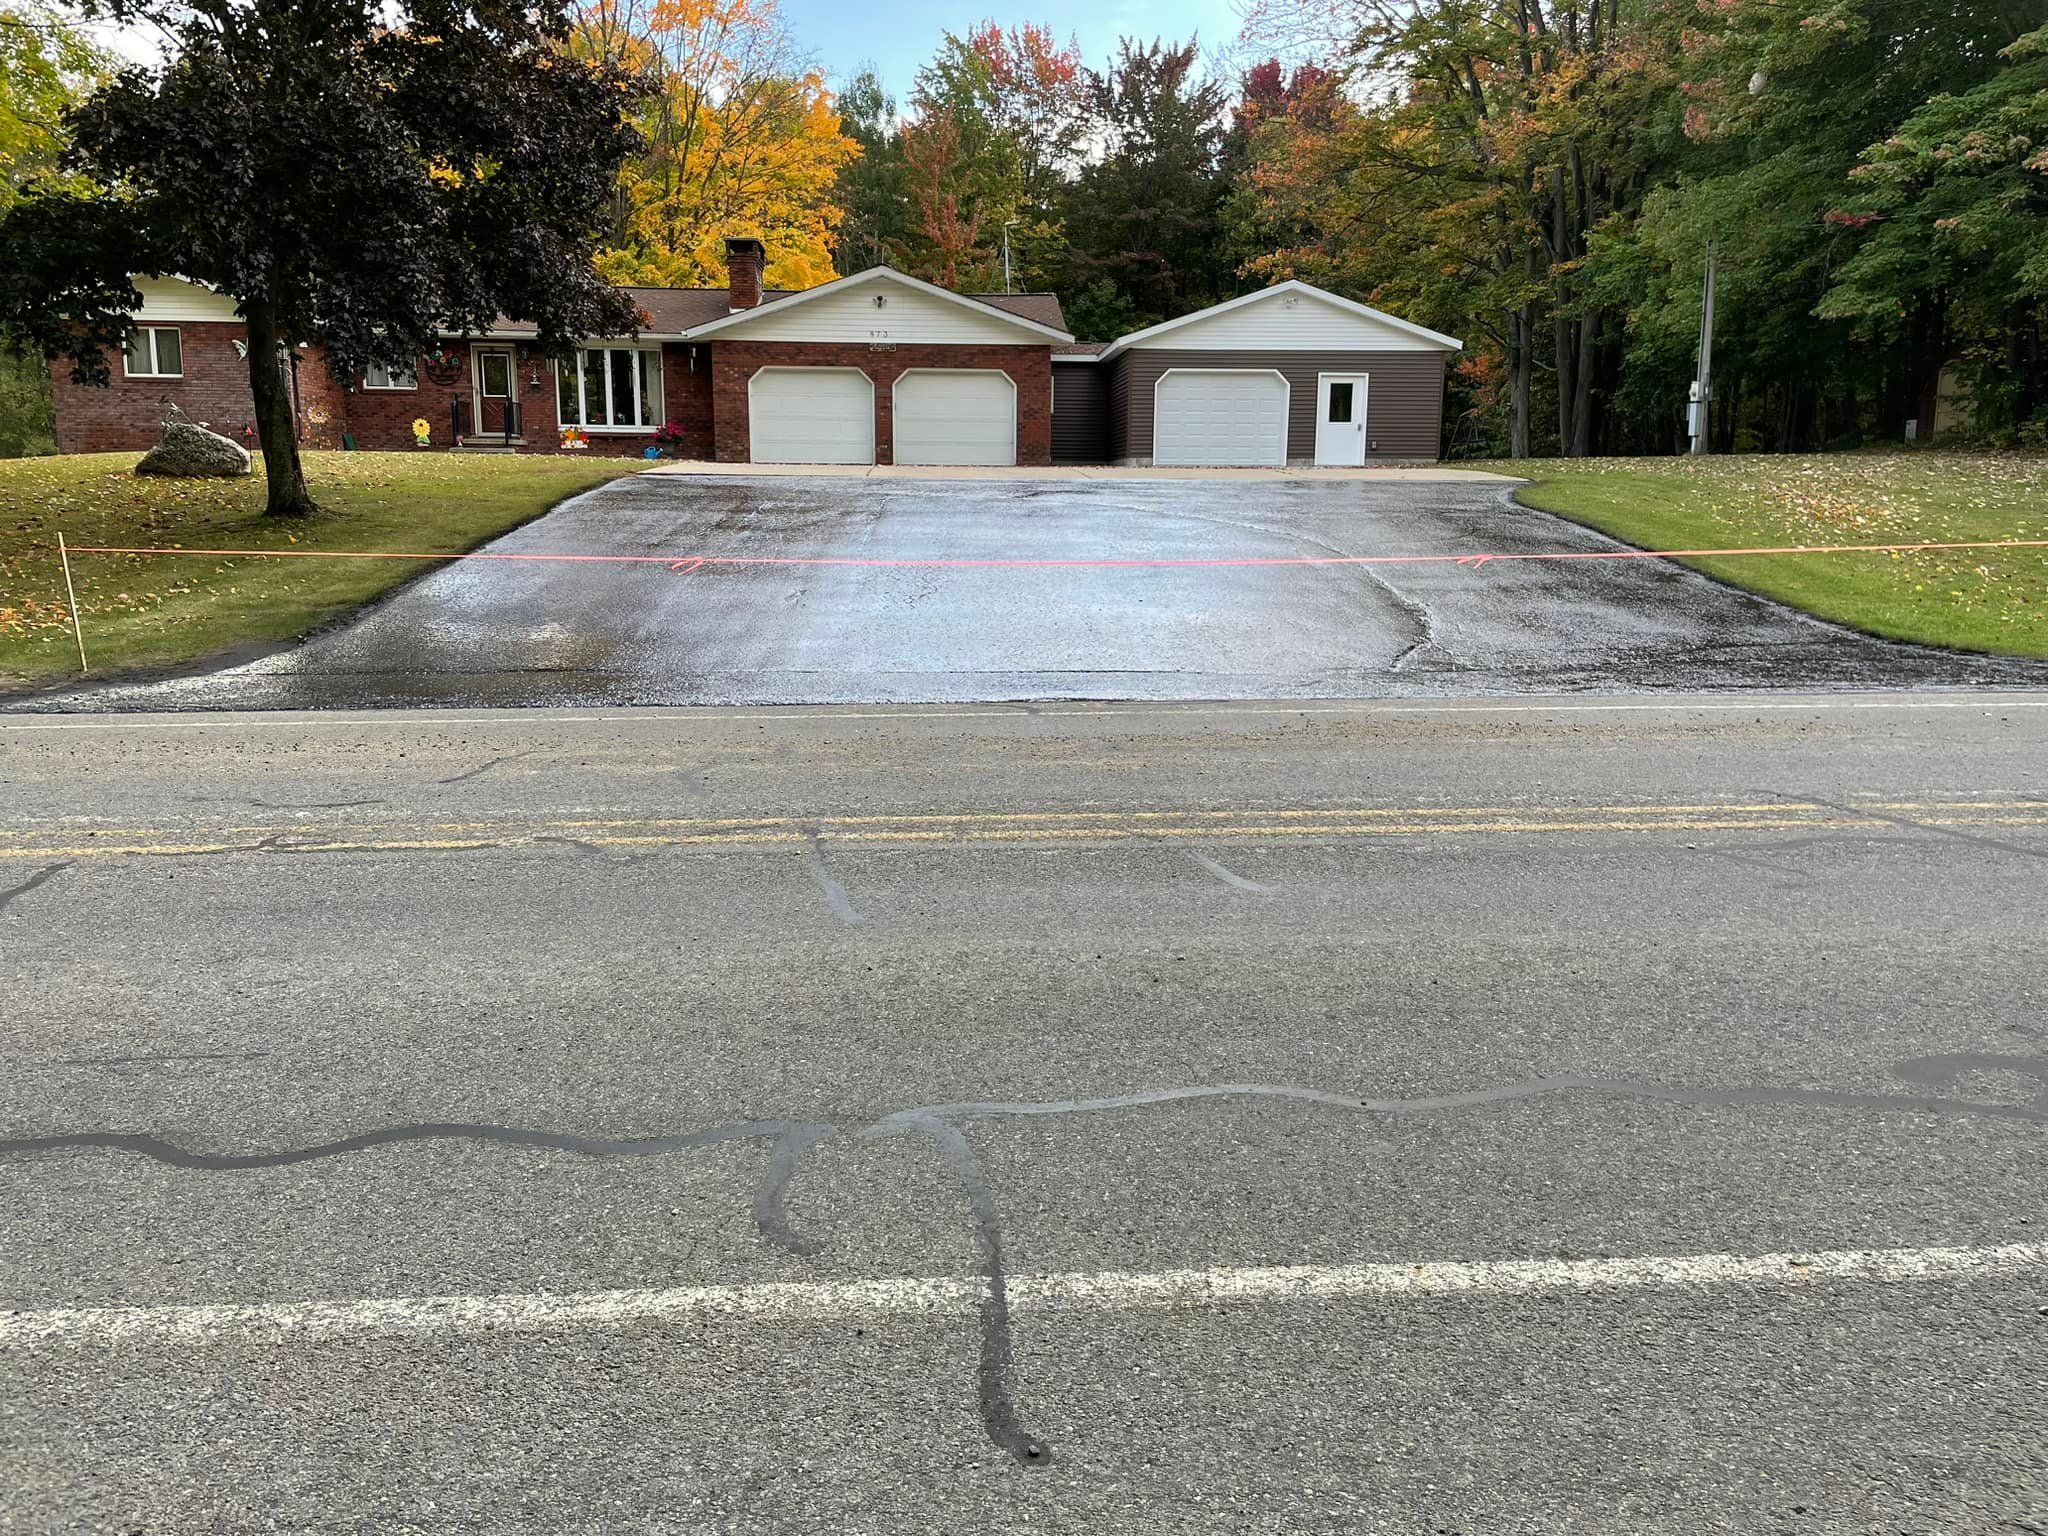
point(71, 840)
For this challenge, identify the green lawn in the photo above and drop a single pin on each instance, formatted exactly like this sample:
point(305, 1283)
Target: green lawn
point(1979, 600)
point(153, 610)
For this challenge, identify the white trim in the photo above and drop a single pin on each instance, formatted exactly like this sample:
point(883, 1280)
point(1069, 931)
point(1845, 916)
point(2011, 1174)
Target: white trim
point(129, 371)
point(1293, 285)
point(611, 428)
point(781, 307)
point(391, 389)
point(866, 378)
point(1286, 416)
point(895, 420)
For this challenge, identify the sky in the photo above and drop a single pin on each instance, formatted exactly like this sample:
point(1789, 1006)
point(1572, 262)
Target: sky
point(897, 37)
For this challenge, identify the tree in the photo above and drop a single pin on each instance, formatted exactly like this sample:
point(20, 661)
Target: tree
point(353, 175)
point(1146, 214)
point(872, 188)
point(741, 138)
point(46, 65)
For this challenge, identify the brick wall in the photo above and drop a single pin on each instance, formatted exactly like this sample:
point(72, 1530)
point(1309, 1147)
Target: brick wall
point(734, 363)
point(128, 414)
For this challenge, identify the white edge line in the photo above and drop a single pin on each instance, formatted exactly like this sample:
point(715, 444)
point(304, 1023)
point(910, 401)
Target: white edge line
point(1111, 1291)
point(1107, 709)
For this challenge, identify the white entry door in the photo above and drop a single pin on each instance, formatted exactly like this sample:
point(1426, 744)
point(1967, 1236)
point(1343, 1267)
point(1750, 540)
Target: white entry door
point(1340, 418)
point(1220, 416)
point(810, 416)
point(955, 416)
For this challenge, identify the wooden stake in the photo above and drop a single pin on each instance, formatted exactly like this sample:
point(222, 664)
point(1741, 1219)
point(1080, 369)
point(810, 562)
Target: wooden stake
point(71, 597)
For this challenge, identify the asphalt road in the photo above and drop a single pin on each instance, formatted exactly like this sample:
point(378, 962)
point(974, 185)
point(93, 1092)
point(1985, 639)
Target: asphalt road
point(827, 591)
point(1056, 1118)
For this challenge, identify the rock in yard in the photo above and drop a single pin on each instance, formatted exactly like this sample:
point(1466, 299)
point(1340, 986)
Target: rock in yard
point(190, 450)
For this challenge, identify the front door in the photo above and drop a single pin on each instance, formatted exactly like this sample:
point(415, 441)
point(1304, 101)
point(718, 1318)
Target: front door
point(1340, 418)
point(496, 412)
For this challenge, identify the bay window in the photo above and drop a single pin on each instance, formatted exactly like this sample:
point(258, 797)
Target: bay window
point(611, 388)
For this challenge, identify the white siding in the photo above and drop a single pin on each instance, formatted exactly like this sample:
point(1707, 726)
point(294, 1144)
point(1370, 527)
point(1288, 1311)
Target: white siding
point(168, 300)
point(907, 316)
point(1287, 322)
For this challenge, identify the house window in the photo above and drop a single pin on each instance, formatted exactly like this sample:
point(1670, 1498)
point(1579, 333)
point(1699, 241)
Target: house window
point(155, 352)
point(610, 388)
point(385, 376)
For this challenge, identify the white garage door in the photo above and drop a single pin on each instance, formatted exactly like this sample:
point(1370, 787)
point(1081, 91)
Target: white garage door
point(1213, 416)
point(955, 416)
point(811, 416)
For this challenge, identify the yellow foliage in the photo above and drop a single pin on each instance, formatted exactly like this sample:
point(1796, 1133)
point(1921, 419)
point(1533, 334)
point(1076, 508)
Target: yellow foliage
point(743, 139)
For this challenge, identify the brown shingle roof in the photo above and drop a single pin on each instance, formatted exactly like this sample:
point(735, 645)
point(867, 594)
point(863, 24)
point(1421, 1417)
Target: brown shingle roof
point(1080, 349)
point(671, 311)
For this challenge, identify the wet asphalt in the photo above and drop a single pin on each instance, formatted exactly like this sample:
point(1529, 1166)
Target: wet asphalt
point(511, 633)
point(334, 1007)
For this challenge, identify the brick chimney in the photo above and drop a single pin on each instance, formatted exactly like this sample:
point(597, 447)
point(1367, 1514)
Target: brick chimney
point(744, 259)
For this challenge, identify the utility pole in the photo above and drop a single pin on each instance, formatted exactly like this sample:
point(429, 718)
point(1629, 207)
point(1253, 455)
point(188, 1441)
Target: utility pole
point(1006, 254)
point(1699, 409)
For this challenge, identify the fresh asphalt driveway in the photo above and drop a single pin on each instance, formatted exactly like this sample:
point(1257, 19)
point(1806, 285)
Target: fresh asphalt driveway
point(787, 590)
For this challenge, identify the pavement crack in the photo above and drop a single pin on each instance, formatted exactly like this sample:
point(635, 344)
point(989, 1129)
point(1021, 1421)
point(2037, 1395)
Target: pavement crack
point(2003, 845)
point(482, 768)
point(945, 1126)
point(42, 876)
point(596, 850)
point(835, 894)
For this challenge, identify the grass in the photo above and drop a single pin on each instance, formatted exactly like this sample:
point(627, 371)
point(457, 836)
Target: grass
point(1976, 600)
point(145, 611)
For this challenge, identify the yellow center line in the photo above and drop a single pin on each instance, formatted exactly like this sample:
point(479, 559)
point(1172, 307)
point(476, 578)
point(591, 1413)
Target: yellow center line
point(910, 832)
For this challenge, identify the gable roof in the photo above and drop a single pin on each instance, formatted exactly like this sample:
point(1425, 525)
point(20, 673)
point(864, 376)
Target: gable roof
point(1296, 286)
point(1036, 313)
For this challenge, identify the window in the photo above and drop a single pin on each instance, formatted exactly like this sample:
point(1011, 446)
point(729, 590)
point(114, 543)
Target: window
point(610, 387)
point(155, 352)
point(1340, 401)
point(385, 376)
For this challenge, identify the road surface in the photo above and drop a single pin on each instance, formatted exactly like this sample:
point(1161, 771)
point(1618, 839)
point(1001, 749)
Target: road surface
point(1601, 1116)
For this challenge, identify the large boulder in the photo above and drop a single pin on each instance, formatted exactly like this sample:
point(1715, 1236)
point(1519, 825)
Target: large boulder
point(190, 450)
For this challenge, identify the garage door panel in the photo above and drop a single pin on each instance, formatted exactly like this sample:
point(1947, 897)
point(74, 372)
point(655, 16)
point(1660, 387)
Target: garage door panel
point(955, 416)
point(811, 416)
point(1219, 417)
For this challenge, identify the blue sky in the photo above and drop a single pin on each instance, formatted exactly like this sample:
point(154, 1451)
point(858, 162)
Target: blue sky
point(896, 38)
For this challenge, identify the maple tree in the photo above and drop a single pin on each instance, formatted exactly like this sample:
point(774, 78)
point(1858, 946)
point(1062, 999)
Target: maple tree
point(741, 137)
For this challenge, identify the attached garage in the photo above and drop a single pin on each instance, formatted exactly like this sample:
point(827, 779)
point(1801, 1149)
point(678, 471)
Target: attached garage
point(811, 416)
point(1220, 416)
point(955, 416)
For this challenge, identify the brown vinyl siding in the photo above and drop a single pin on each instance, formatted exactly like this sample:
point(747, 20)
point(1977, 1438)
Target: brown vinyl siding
point(1080, 414)
point(1404, 411)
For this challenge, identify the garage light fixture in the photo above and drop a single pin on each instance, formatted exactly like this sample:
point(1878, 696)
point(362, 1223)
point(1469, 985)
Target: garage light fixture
point(881, 299)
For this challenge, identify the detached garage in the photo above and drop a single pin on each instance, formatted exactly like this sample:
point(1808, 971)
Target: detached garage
point(1289, 375)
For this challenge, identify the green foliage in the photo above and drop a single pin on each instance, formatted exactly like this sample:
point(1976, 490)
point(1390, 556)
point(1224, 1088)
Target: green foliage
point(26, 425)
point(352, 175)
point(873, 187)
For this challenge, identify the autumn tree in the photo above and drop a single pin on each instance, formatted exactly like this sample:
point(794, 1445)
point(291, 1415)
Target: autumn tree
point(740, 134)
point(345, 171)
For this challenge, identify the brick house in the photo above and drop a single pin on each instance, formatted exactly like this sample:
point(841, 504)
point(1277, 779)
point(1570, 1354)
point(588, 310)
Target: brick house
point(877, 368)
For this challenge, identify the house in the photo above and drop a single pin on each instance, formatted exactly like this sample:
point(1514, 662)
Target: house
point(879, 367)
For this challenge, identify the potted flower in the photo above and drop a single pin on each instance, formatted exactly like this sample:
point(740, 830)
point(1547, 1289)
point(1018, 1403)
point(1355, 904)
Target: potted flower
point(669, 436)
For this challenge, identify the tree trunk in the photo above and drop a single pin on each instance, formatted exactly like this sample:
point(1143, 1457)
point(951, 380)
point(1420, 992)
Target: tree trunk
point(276, 431)
point(1521, 328)
point(1580, 444)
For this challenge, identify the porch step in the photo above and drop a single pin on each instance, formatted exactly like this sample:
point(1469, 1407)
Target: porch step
point(483, 448)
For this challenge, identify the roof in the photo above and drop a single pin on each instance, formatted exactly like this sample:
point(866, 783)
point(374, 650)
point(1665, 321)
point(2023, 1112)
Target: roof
point(1025, 309)
point(1293, 285)
point(1080, 352)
